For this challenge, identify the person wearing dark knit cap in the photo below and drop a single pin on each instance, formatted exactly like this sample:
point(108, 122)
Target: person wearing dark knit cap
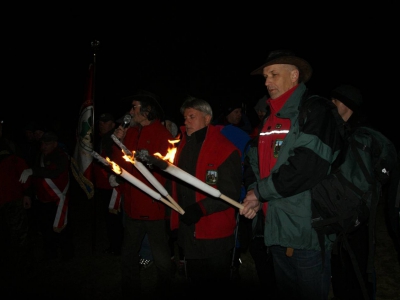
point(261, 110)
point(345, 282)
point(347, 99)
point(232, 113)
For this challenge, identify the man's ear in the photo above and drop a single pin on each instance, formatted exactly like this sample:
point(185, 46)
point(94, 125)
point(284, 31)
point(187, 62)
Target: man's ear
point(146, 110)
point(208, 119)
point(294, 75)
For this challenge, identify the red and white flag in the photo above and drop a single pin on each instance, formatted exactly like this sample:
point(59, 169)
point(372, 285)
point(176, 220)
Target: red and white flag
point(83, 160)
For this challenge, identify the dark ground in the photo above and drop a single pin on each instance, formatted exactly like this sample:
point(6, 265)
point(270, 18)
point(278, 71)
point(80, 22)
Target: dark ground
point(92, 274)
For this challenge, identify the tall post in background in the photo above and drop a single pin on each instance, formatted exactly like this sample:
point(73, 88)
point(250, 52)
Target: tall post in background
point(83, 159)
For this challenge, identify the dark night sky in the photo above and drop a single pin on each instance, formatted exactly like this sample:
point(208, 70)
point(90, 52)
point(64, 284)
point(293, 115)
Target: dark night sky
point(179, 51)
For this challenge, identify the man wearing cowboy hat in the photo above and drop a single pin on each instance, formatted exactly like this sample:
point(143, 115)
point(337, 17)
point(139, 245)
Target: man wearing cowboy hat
point(288, 161)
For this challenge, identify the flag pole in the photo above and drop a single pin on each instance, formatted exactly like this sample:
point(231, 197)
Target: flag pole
point(81, 162)
point(95, 47)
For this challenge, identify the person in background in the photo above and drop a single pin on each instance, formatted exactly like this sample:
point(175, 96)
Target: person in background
point(393, 207)
point(6, 136)
point(51, 181)
point(206, 230)
point(110, 220)
point(38, 131)
point(345, 283)
point(241, 139)
point(287, 161)
point(143, 214)
point(15, 201)
point(28, 145)
point(261, 110)
point(232, 113)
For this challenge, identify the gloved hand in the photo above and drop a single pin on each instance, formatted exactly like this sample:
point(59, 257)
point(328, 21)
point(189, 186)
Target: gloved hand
point(25, 174)
point(192, 214)
point(113, 180)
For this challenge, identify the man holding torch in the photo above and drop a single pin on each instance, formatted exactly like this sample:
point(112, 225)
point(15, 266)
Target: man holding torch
point(143, 214)
point(291, 155)
point(206, 230)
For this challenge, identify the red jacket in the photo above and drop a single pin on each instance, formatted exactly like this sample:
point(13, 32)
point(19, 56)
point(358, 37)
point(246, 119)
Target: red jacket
point(154, 138)
point(11, 167)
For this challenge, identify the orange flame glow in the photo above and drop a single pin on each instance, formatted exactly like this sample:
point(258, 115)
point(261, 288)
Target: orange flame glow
point(114, 166)
point(171, 152)
point(129, 158)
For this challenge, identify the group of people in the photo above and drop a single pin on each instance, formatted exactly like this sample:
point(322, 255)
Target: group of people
point(35, 193)
point(268, 170)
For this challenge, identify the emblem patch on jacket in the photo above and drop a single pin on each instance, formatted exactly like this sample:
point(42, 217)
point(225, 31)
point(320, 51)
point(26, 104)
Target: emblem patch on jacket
point(211, 177)
point(277, 147)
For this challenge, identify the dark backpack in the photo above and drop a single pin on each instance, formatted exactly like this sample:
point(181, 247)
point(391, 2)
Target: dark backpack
point(348, 197)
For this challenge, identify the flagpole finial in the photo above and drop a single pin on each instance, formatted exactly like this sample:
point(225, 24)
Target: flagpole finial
point(95, 46)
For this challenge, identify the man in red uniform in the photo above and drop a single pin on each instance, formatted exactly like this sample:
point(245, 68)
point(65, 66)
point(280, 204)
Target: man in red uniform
point(144, 214)
point(50, 177)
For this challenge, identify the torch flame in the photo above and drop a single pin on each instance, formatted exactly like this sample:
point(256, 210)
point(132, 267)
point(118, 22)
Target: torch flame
point(114, 166)
point(171, 152)
point(128, 157)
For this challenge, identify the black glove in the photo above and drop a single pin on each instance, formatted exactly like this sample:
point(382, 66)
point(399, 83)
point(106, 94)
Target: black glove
point(192, 214)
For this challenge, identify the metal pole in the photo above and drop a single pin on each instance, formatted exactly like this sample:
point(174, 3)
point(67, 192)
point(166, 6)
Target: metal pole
point(95, 46)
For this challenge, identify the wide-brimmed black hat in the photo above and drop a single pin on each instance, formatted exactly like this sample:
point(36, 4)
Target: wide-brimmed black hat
point(286, 57)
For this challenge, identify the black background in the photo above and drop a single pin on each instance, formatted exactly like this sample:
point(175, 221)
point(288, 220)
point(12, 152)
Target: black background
point(175, 51)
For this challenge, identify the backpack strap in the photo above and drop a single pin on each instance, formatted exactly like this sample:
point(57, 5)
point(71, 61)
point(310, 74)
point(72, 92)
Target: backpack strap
point(354, 145)
point(374, 204)
point(305, 105)
point(304, 109)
